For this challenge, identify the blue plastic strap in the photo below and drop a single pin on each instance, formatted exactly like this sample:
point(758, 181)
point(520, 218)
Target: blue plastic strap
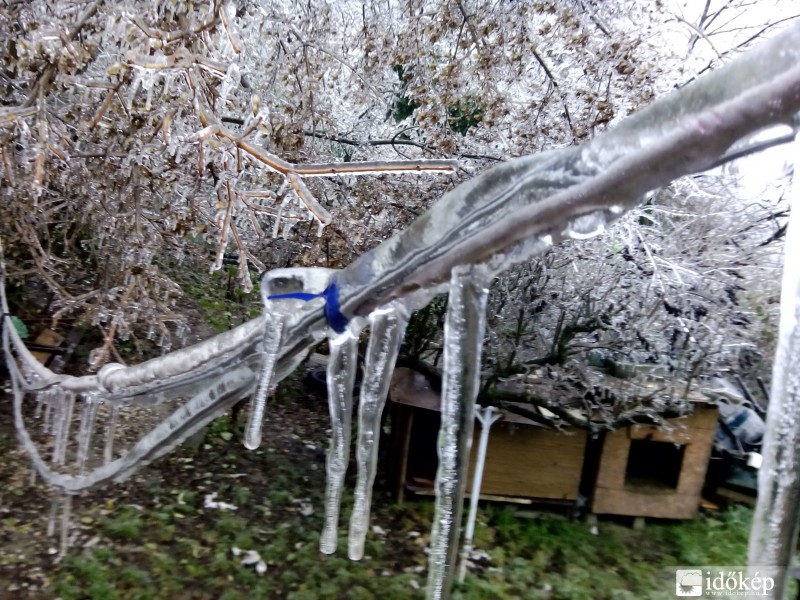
point(337, 321)
point(334, 317)
point(295, 296)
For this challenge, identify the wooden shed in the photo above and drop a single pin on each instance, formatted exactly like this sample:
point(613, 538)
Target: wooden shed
point(649, 471)
point(525, 461)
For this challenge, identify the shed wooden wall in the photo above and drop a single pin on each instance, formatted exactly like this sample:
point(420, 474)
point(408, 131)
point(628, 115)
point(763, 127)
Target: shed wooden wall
point(613, 495)
point(532, 462)
point(522, 461)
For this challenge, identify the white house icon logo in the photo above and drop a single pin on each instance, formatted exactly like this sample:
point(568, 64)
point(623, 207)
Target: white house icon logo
point(689, 583)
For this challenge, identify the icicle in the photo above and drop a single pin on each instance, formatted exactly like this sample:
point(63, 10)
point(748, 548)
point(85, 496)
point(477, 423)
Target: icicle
point(464, 327)
point(62, 426)
point(51, 517)
point(47, 419)
point(277, 314)
point(111, 425)
point(66, 515)
point(91, 403)
point(341, 378)
point(41, 399)
point(274, 327)
point(387, 327)
point(57, 408)
point(773, 536)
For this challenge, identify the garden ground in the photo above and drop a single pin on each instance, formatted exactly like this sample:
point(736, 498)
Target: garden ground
point(154, 537)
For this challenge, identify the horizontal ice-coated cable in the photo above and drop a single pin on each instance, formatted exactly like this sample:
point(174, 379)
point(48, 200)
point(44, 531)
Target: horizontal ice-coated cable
point(185, 420)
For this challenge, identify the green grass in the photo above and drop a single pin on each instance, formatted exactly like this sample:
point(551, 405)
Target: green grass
point(155, 538)
point(541, 558)
point(552, 558)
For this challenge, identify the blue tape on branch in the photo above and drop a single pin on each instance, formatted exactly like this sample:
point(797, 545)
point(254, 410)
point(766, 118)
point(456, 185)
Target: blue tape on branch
point(334, 317)
point(337, 321)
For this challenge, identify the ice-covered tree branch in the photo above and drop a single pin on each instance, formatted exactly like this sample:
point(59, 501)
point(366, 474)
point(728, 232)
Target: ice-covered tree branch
point(526, 205)
point(510, 213)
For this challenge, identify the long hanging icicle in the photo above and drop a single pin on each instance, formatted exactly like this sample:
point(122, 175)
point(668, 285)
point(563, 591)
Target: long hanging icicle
point(388, 325)
point(274, 327)
point(47, 417)
point(283, 292)
point(41, 401)
point(341, 379)
point(773, 537)
point(62, 423)
point(61, 502)
point(91, 404)
point(464, 327)
point(111, 427)
point(66, 518)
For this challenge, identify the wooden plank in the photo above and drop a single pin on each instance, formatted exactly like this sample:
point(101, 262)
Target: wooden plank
point(48, 337)
point(656, 505)
point(532, 462)
point(614, 460)
point(695, 463)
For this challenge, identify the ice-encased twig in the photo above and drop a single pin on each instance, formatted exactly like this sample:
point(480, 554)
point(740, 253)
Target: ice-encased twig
point(464, 326)
point(387, 328)
point(341, 373)
point(546, 194)
point(773, 537)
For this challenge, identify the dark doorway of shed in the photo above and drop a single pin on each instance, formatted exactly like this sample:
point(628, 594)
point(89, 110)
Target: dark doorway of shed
point(654, 465)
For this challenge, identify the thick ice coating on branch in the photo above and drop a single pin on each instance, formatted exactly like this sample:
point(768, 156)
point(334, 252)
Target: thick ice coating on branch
point(773, 538)
point(539, 196)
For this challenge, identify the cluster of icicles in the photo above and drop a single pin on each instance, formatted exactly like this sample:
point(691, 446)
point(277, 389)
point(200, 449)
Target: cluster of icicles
point(281, 290)
point(285, 293)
